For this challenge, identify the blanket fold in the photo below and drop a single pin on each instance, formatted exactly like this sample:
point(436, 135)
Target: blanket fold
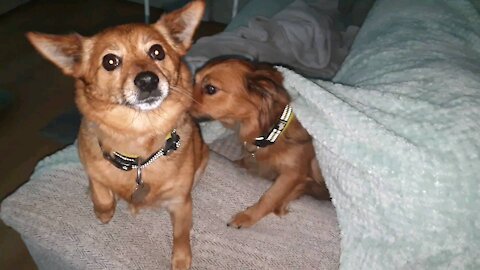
point(301, 36)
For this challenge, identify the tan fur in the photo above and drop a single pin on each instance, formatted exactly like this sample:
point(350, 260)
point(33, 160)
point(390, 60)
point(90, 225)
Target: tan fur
point(253, 96)
point(100, 97)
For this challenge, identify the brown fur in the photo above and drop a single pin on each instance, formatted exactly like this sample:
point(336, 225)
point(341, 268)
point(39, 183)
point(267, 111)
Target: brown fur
point(253, 96)
point(107, 119)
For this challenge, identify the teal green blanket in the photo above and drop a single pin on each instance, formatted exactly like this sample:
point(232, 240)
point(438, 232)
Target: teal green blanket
point(398, 136)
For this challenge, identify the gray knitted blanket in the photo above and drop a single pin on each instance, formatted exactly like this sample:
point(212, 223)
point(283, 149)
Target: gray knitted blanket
point(53, 213)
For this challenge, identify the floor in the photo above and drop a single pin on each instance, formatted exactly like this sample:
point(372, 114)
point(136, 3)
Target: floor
point(41, 92)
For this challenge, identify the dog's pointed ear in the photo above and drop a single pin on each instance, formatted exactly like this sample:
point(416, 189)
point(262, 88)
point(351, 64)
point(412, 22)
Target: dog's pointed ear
point(63, 50)
point(181, 24)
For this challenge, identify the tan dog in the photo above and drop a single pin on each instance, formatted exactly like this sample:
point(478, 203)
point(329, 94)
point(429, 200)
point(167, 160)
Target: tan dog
point(137, 141)
point(236, 91)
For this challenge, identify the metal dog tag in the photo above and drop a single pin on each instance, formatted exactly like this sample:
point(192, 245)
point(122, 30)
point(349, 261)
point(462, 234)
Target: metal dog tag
point(141, 189)
point(140, 193)
point(139, 179)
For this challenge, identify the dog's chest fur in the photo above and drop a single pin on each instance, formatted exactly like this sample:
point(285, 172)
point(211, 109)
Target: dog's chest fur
point(158, 175)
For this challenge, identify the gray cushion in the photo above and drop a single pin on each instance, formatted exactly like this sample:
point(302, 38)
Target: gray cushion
point(53, 213)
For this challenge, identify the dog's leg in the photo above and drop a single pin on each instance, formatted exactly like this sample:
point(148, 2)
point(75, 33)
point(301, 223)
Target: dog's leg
point(103, 201)
point(204, 156)
point(316, 187)
point(271, 200)
point(181, 215)
point(298, 191)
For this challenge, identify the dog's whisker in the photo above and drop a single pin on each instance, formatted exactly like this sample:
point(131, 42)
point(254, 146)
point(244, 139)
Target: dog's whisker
point(181, 90)
point(161, 112)
point(135, 114)
point(152, 125)
point(185, 94)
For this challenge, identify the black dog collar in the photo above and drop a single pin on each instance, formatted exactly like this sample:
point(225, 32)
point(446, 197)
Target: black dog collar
point(127, 163)
point(271, 137)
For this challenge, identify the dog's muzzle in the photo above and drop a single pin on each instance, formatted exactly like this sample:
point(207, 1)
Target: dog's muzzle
point(147, 83)
point(149, 93)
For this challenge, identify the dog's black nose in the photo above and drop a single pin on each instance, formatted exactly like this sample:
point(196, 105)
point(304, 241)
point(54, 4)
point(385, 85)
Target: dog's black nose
point(146, 81)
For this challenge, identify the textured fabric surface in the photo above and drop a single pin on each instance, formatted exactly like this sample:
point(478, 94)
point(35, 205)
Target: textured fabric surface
point(54, 215)
point(229, 147)
point(256, 8)
point(398, 137)
point(401, 149)
point(301, 36)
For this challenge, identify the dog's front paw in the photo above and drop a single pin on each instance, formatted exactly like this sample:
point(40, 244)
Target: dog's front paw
point(105, 216)
point(181, 261)
point(243, 219)
point(281, 210)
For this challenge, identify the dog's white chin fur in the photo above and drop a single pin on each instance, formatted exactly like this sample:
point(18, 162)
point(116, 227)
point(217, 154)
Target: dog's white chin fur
point(146, 106)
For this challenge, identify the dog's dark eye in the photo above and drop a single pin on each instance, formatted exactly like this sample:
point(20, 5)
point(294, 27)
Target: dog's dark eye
point(111, 61)
point(156, 52)
point(210, 89)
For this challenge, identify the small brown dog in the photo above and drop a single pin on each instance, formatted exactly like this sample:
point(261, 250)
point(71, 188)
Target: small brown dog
point(236, 91)
point(137, 141)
